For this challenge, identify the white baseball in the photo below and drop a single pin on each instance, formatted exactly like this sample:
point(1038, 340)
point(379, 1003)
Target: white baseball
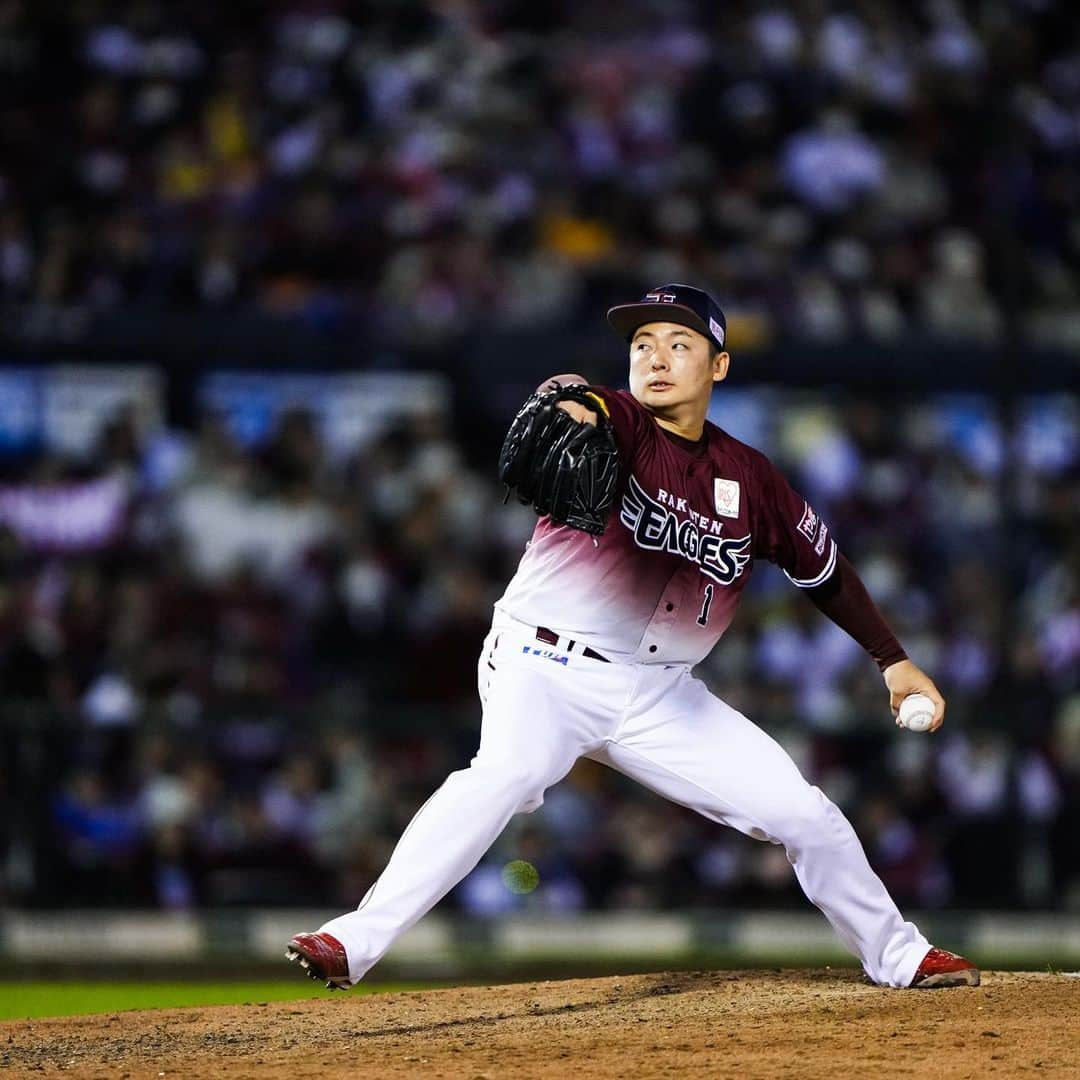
point(916, 712)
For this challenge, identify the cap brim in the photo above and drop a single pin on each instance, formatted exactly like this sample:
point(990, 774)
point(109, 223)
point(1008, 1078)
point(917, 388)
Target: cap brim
point(624, 319)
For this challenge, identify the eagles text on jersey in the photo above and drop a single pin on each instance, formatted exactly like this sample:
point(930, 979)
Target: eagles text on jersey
point(656, 528)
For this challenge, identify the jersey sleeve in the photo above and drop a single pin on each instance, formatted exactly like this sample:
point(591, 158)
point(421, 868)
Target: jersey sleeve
point(791, 533)
point(627, 419)
point(844, 599)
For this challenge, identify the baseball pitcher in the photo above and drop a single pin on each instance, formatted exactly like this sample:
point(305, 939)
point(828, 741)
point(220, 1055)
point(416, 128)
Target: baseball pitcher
point(651, 519)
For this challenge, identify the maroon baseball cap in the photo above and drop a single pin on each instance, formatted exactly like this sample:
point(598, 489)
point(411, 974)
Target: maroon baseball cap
point(682, 304)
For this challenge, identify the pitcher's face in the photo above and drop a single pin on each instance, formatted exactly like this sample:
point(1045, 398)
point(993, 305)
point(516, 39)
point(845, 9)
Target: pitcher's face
point(672, 366)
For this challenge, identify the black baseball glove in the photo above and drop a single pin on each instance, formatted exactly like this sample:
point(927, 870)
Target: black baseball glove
point(565, 468)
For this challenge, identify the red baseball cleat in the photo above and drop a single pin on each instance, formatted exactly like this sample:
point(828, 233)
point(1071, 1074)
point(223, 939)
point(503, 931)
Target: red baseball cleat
point(942, 968)
point(322, 957)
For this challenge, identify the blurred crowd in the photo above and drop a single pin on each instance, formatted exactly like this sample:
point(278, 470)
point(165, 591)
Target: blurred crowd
point(257, 660)
point(868, 169)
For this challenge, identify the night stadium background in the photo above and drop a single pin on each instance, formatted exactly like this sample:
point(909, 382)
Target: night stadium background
point(275, 277)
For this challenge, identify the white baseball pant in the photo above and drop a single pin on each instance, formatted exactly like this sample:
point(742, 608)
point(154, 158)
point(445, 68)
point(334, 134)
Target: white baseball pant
point(543, 709)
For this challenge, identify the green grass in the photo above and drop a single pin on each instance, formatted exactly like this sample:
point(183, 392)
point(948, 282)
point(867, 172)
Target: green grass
point(21, 1000)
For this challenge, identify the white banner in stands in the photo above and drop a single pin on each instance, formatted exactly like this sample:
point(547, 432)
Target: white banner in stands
point(79, 400)
point(351, 409)
point(64, 408)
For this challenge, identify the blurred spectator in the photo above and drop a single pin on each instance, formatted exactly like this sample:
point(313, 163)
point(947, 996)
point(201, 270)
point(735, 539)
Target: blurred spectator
point(98, 834)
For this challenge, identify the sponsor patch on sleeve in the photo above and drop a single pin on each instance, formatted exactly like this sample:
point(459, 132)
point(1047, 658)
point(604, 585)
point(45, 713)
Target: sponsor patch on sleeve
point(819, 547)
point(809, 524)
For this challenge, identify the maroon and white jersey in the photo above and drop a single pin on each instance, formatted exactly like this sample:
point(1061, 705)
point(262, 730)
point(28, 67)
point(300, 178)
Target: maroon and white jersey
point(662, 583)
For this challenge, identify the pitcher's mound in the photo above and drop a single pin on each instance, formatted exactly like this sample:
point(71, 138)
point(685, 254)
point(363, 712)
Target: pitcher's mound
point(803, 1024)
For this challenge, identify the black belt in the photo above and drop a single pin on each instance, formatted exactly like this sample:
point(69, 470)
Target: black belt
point(549, 637)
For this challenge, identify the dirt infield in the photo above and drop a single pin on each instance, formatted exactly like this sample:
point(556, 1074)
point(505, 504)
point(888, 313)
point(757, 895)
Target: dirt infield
point(801, 1024)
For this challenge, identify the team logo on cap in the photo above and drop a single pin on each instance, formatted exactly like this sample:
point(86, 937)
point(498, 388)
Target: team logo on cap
point(661, 297)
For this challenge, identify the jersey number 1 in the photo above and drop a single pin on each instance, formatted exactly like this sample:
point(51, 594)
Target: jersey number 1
point(703, 616)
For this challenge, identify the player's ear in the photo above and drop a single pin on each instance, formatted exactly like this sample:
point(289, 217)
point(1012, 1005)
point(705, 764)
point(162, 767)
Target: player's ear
point(720, 363)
